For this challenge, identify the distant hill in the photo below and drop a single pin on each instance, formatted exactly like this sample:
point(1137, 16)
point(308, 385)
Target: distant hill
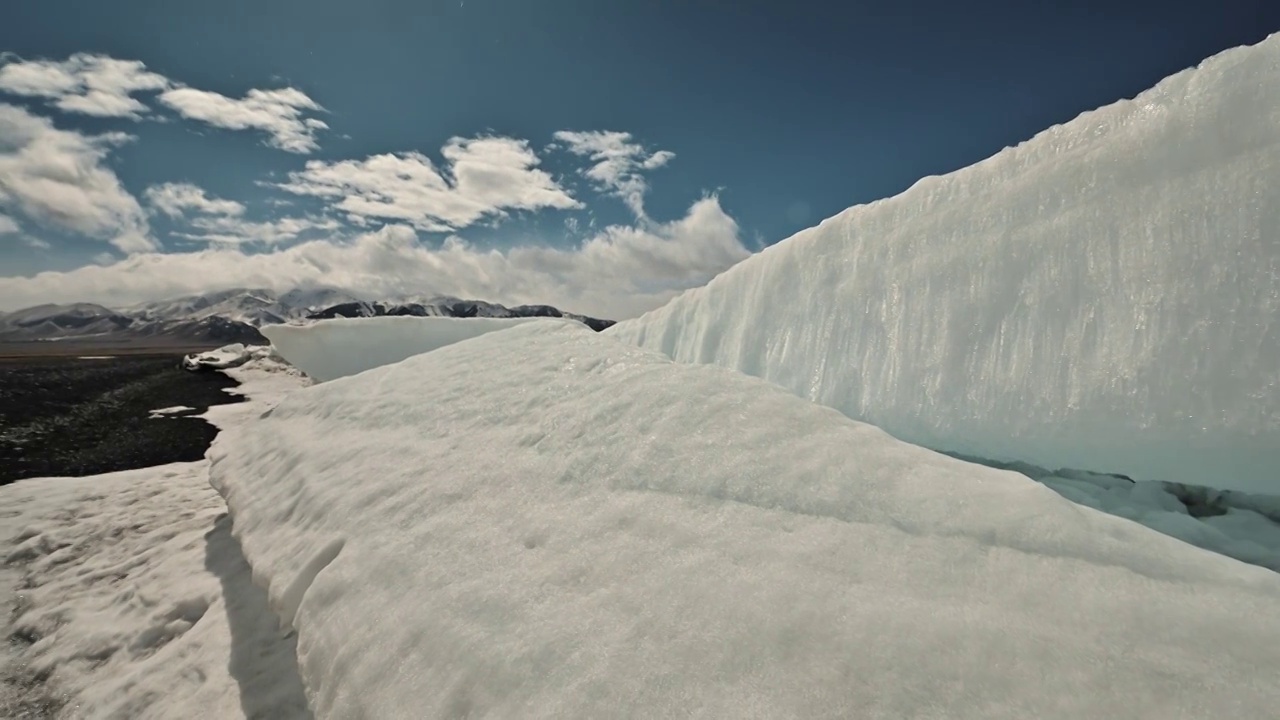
point(233, 316)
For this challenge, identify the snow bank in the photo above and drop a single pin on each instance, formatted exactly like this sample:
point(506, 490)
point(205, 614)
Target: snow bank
point(335, 348)
point(545, 522)
point(1104, 295)
point(227, 356)
point(132, 599)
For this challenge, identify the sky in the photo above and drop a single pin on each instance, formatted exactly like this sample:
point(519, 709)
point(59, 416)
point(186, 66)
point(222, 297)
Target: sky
point(599, 156)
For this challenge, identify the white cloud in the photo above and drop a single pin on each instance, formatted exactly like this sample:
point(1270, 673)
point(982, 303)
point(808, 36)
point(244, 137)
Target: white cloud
point(8, 225)
point(175, 199)
point(56, 178)
point(279, 113)
point(104, 86)
point(485, 177)
point(84, 83)
point(231, 230)
point(617, 274)
point(618, 161)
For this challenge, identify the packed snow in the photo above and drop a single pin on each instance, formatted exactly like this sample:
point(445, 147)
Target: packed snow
point(1245, 526)
point(131, 599)
point(546, 522)
point(227, 356)
point(171, 411)
point(328, 349)
point(1104, 295)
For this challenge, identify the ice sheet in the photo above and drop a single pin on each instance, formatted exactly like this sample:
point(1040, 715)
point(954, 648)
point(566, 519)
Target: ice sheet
point(1103, 296)
point(545, 522)
point(329, 349)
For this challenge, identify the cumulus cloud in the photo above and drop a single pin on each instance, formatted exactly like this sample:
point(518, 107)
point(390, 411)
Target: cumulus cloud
point(8, 225)
point(176, 199)
point(232, 230)
point(280, 113)
point(104, 86)
point(56, 178)
point(618, 161)
point(483, 177)
point(619, 273)
point(84, 83)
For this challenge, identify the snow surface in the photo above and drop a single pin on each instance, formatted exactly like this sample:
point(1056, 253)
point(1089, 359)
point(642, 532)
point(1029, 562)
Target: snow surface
point(1104, 295)
point(131, 599)
point(328, 349)
point(227, 356)
point(1244, 526)
point(174, 410)
point(546, 522)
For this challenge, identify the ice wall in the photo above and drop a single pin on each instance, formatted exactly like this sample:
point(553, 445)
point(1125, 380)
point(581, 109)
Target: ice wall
point(329, 349)
point(548, 523)
point(1105, 295)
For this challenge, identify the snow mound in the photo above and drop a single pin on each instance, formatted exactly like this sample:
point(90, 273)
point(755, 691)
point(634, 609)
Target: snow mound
point(329, 349)
point(227, 356)
point(545, 522)
point(1104, 295)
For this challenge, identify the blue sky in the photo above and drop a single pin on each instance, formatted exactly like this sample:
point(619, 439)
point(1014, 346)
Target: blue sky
point(605, 154)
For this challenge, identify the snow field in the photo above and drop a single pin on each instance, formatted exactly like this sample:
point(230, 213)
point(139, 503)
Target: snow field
point(1103, 296)
point(545, 522)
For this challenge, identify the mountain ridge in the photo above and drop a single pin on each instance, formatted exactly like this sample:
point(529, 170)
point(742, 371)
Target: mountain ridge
point(231, 316)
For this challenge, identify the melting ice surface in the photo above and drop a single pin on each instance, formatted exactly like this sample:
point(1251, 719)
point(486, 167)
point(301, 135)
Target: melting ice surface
point(547, 522)
point(1105, 295)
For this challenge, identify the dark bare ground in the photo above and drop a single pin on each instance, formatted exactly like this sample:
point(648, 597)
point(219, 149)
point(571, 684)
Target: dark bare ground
point(66, 416)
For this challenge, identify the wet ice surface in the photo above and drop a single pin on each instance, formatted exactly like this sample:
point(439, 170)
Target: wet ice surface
point(126, 596)
point(1245, 526)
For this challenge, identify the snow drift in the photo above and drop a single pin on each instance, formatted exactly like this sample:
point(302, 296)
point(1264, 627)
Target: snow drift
point(545, 522)
point(329, 349)
point(227, 357)
point(1104, 295)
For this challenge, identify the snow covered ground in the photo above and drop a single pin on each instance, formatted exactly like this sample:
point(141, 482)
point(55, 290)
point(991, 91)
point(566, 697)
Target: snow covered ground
point(131, 598)
point(546, 522)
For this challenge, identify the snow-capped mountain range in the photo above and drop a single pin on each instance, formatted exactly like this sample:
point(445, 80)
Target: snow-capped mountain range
point(235, 316)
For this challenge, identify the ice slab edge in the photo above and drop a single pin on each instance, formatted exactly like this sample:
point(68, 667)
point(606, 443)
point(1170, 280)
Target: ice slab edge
point(1105, 295)
point(330, 349)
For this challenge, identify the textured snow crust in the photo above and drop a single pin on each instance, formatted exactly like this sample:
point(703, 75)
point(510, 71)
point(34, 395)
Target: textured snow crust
point(328, 349)
point(126, 596)
point(1103, 296)
point(545, 522)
